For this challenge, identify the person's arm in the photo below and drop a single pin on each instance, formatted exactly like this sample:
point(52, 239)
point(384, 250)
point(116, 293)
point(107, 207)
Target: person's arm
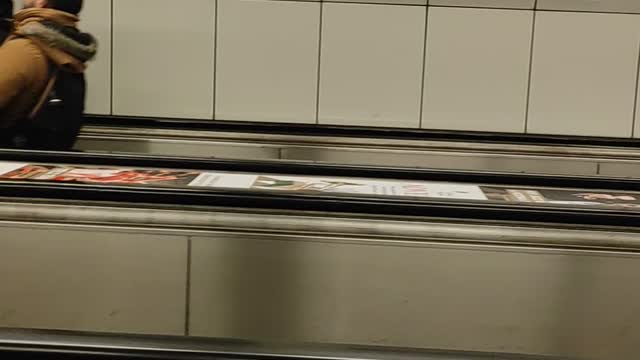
point(14, 71)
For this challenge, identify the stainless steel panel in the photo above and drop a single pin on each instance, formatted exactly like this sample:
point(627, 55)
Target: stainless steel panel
point(442, 160)
point(92, 280)
point(314, 277)
point(620, 169)
point(359, 228)
point(483, 298)
point(183, 347)
point(92, 133)
point(181, 148)
point(503, 4)
point(576, 160)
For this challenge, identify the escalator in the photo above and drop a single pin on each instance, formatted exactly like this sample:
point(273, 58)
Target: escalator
point(264, 252)
point(364, 146)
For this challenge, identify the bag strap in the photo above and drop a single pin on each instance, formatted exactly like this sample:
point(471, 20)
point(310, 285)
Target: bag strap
point(45, 95)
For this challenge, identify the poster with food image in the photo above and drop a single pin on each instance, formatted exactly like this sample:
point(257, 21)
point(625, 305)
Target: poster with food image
point(565, 197)
point(100, 175)
point(179, 178)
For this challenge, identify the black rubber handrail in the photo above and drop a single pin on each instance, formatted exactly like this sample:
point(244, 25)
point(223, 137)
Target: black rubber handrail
point(68, 345)
point(324, 169)
point(356, 131)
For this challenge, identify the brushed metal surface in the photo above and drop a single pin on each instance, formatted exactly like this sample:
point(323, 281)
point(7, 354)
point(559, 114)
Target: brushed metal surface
point(542, 302)
point(493, 160)
point(550, 159)
point(620, 169)
point(300, 225)
point(91, 133)
point(442, 160)
point(181, 148)
point(188, 347)
point(92, 280)
point(309, 277)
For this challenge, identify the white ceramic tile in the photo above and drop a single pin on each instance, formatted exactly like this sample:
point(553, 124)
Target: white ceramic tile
point(584, 74)
point(163, 58)
point(632, 6)
point(96, 19)
point(267, 60)
point(387, 2)
point(477, 69)
point(371, 66)
point(92, 280)
point(17, 5)
point(507, 4)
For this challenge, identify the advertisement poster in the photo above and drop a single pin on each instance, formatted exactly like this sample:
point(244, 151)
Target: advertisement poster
point(565, 197)
point(95, 175)
point(177, 178)
point(369, 187)
point(366, 187)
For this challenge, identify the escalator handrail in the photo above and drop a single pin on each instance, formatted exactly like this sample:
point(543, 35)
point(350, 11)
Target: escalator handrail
point(359, 131)
point(133, 347)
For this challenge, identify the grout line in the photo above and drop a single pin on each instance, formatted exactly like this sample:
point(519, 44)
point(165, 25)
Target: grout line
point(636, 95)
point(484, 7)
point(111, 64)
point(536, 9)
point(589, 11)
point(423, 80)
point(535, 6)
point(530, 76)
point(215, 59)
point(371, 3)
point(187, 307)
point(318, 78)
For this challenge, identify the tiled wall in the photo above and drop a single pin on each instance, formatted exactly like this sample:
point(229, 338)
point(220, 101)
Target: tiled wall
point(546, 66)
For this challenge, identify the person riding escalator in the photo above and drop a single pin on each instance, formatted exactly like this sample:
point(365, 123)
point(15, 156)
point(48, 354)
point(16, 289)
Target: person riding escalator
point(42, 83)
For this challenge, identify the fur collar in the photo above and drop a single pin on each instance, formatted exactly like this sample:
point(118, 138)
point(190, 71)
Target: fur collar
point(81, 46)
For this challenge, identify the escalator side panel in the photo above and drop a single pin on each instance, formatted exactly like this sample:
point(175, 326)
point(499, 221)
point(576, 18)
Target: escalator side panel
point(345, 155)
point(159, 147)
point(92, 279)
point(420, 289)
point(622, 169)
point(487, 299)
point(435, 160)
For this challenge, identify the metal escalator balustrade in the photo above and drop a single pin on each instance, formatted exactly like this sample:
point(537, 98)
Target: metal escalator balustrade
point(362, 146)
point(68, 345)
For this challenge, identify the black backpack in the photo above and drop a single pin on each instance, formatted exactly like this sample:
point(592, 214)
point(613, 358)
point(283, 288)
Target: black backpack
point(5, 30)
point(56, 121)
